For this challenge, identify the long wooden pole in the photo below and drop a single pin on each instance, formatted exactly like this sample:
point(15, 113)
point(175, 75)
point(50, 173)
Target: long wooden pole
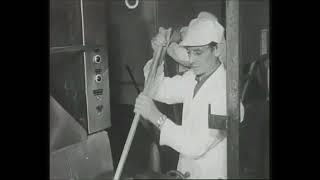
point(147, 90)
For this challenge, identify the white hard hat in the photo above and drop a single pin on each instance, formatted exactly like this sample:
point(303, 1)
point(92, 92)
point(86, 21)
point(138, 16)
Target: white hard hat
point(207, 15)
point(184, 28)
point(202, 31)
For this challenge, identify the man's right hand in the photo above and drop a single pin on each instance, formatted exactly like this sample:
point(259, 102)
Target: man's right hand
point(159, 40)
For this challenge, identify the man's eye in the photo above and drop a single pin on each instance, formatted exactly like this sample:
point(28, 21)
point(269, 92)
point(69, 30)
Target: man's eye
point(198, 53)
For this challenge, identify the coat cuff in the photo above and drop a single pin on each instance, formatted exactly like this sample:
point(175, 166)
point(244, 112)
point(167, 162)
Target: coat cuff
point(166, 133)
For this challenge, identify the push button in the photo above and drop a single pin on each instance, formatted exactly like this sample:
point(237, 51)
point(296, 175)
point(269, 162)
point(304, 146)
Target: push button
point(97, 59)
point(98, 78)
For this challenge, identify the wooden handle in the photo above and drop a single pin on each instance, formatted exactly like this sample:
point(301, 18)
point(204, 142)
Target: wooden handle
point(151, 76)
point(127, 146)
point(153, 70)
point(135, 121)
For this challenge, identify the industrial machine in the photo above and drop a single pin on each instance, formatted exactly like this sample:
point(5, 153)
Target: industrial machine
point(79, 90)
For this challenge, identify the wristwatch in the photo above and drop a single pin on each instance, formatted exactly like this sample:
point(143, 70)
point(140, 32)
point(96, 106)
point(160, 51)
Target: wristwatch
point(161, 121)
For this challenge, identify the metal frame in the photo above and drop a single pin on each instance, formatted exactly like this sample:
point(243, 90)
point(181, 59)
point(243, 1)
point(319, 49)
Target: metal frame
point(77, 48)
point(232, 32)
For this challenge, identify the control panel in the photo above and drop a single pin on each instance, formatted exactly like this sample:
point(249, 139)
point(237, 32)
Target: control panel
point(97, 90)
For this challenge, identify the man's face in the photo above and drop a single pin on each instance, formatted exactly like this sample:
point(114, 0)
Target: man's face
point(202, 58)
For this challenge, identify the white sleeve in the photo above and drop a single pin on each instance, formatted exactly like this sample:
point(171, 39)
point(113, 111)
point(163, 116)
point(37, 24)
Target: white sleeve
point(170, 90)
point(188, 144)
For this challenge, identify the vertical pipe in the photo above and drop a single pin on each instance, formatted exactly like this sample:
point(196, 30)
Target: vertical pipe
point(268, 74)
point(232, 32)
point(82, 23)
point(155, 16)
point(84, 60)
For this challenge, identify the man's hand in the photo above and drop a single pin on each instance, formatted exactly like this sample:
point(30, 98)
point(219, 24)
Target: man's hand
point(176, 36)
point(147, 109)
point(160, 39)
point(179, 54)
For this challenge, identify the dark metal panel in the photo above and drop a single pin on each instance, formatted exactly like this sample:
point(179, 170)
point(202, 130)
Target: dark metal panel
point(232, 32)
point(67, 84)
point(64, 130)
point(65, 23)
point(95, 21)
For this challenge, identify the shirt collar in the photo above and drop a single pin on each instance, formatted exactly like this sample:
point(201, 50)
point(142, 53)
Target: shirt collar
point(205, 77)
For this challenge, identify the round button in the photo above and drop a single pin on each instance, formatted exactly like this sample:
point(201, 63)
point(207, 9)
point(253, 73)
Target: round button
point(97, 59)
point(98, 78)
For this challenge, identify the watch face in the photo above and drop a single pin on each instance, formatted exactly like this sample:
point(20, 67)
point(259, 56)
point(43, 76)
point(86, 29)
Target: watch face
point(161, 120)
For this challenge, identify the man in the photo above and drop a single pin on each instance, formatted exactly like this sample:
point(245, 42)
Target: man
point(179, 53)
point(201, 139)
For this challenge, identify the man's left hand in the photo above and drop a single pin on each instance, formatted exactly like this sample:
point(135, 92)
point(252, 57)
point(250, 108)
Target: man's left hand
point(176, 36)
point(146, 107)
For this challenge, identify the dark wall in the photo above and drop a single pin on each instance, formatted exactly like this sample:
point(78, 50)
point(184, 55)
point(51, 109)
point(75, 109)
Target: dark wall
point(130, 32)
point(129, 44)
point(254, 16)
point(180, 12)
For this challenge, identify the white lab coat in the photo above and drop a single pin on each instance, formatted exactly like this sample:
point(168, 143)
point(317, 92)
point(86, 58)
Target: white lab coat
point(193, 139)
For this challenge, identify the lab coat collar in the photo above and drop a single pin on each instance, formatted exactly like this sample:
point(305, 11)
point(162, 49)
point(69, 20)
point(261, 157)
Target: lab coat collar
point(215, 76)
point(205, 77)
